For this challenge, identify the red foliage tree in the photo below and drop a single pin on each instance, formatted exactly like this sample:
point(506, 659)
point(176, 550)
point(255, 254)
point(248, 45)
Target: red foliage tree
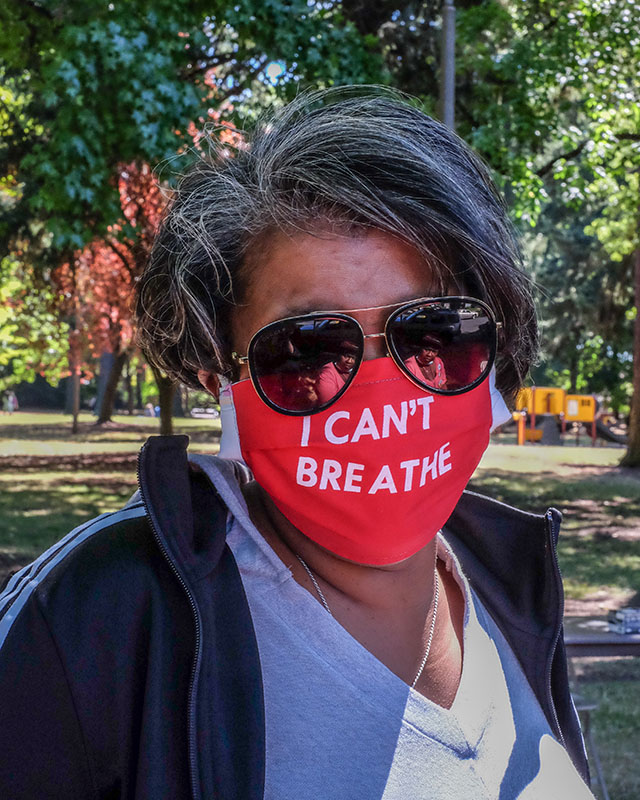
point(96, 285)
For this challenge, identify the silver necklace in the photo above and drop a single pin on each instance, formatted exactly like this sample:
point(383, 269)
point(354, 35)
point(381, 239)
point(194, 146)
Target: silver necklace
point(432, 627)
point(315, 583)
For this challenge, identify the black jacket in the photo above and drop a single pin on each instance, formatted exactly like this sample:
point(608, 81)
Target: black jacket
point(128, 661)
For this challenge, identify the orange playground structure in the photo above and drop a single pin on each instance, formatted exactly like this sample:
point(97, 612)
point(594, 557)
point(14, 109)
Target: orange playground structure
point(545, 401)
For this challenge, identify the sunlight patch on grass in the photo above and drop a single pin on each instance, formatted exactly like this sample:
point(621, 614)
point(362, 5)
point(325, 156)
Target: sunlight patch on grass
point(20, 447)
point(49, 434)
point(535, 458)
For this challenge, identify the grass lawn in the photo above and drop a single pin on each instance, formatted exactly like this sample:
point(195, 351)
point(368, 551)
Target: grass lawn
point(599, 546)
point(51, 481)
point(614, 684)
point(49, 434)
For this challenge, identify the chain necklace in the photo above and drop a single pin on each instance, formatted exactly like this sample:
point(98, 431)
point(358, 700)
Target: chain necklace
point(432, 627)
point(316, 585)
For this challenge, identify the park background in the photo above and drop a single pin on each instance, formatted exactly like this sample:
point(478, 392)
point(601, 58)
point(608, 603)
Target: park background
point(103, 105)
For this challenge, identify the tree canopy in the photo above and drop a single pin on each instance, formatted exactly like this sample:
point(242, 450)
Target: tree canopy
point(95, 84)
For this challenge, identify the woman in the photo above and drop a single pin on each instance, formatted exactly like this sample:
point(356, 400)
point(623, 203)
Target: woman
point(335, 374)
point(426, 364)
point(320, 612)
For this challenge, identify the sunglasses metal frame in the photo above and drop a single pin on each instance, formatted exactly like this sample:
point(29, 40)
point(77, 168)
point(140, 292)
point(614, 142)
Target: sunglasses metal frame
point(392, 351)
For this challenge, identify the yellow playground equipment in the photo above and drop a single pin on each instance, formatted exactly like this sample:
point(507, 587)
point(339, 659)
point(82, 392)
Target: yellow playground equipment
point(544, 401)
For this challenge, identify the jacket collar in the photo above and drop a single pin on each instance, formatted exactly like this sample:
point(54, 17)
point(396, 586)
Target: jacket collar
point(171, 492)
point(509, 557)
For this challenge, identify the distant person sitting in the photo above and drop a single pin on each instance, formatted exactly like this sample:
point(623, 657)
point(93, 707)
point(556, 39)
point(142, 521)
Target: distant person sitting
point(334, 374)
point(426, 365)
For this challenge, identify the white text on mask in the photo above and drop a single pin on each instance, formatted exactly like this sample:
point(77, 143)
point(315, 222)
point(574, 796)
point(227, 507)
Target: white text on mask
point(337, 429)
point(407, 475)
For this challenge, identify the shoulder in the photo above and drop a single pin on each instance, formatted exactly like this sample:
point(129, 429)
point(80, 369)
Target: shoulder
point(89, 632)
point(328, 372)
point(412, 365)
point(88, 571)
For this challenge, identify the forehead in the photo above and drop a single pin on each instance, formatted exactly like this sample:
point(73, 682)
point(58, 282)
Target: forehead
point(295, 274)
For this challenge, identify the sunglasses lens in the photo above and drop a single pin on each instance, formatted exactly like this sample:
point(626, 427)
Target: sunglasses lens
point(446, 345)
point(301, 365)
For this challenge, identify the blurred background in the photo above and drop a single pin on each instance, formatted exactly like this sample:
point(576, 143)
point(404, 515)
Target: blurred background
point(102, 106)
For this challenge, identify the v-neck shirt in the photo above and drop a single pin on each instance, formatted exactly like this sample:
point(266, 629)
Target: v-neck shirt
point(340, 725)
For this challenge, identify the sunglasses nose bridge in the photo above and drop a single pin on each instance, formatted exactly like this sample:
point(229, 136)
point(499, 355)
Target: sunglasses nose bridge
point(375, 346)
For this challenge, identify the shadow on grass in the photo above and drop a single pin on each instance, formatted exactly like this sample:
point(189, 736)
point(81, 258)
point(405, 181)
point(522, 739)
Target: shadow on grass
point(95, 462)
point(599, 499)
point(588, 563)
point(614, 685)
point(34, 515)
point(599, 543)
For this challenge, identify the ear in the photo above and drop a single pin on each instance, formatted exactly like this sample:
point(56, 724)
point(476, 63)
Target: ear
point(211, 382)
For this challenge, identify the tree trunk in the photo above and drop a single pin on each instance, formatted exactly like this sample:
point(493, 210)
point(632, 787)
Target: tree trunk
point(139, 382)
point(68, 390)
point(74, 358)
point(105, 363)
point(166, 390)
point(129, 387)
point(76, 397)
point(574, 362)
point(106, 408)
point(573, 373)
point(178, 403)
point(632, 456)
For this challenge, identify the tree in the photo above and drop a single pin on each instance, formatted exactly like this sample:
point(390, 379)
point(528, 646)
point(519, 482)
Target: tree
point(96, 284)
point(104, 84)
point(33, 338)
point(96, 287)
point(584, 304)
point(142, 202)
point(92, 86)
point(547, 92)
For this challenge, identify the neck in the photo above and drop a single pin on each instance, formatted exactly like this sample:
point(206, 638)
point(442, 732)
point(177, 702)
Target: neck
point(388, 588)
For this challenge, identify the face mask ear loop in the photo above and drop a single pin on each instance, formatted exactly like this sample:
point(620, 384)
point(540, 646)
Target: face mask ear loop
point(499, 411)
point(230, 438)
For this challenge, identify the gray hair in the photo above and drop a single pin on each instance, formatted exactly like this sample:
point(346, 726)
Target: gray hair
point(338, 157)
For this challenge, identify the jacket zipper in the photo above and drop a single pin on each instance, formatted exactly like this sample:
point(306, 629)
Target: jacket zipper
point(558, 577)
point(191, 703)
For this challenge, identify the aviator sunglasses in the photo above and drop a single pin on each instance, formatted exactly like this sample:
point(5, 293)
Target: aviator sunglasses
point(301, 365)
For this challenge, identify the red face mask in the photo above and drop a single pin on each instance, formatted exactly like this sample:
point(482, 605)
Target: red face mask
point(374, 477)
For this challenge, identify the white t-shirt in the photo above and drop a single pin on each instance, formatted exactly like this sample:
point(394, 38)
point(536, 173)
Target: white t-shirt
point(341, 726)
